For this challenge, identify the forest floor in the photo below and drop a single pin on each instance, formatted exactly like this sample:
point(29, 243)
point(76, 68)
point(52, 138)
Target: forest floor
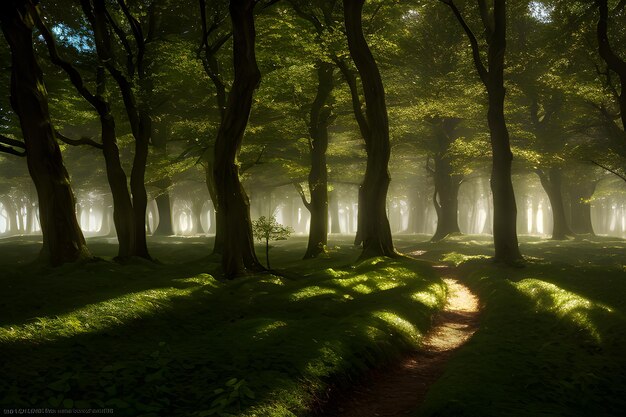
point(399, 389)
point(172, 339)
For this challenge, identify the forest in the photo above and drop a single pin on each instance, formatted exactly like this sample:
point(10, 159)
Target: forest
point(351, 208)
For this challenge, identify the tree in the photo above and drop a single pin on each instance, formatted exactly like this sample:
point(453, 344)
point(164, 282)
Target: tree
point(63, 240)
point(373, 222)
point(320, 117)
point(123, 215)
point(492, 76)
point(138, 112)
point(238, 255)
point(265, 229)
point(447, 182)
point(613, 61)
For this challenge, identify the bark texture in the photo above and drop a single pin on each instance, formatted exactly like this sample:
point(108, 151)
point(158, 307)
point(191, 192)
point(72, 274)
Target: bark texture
point(320, 117)
point(238, 256)
point(373, 227)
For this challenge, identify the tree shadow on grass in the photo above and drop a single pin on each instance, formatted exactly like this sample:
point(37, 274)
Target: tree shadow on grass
point(275, 334)
point(542, 348)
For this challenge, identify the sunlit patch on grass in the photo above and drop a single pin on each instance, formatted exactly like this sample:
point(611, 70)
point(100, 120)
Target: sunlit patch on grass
point(101, 316)
point(201, 279)
point(459, 258)
point(431, 297)
point(266, 329)
point(565, 304)
point(362, 289)
point(336, 273)
point(398, 323)
point(312, 291)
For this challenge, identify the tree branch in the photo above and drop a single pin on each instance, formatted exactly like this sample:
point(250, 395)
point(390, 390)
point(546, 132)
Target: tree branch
point(480, 67)
point(609, 170)
point(300, 191)
point(77, 142)
point(12, 144)
point(130, 66)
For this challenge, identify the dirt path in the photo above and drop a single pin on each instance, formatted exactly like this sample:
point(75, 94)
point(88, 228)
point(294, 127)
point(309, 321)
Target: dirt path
point(399, 390)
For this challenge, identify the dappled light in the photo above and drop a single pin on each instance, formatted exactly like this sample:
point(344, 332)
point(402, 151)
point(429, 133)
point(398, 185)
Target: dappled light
point(313, 208)
point(564, 304)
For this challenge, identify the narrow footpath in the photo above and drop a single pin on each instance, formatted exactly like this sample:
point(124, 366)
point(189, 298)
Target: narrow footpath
point(400, 389)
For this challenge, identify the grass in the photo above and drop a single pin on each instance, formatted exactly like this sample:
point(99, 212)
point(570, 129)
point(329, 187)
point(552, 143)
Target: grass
point(171, 339)
point(552, 335)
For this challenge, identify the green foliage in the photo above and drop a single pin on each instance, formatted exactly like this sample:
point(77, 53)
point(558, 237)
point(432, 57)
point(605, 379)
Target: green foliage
point(265, 229)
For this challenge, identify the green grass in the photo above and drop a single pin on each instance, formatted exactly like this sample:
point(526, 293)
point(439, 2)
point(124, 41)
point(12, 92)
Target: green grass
point(171, 339)
point(552, 336)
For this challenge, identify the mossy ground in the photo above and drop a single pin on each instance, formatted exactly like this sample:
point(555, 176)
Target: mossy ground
point(552, 335)
point(170, 339)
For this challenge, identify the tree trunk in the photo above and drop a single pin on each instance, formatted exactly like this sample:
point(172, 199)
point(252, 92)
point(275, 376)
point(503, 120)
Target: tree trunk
point(122, 207)
point(580, 207)
point(63, 241)
point(614, 62)
point(138, 187)
point(552, 185)
point(333, 200)
point(238, 255)
point(446, 197)
point(9, 206)
point(492, 76)
point(373, 227)
point(318, 175)
point(123, 215)
point(165, 215)
point(218, 226)
point(140, 123)
point(504, 207)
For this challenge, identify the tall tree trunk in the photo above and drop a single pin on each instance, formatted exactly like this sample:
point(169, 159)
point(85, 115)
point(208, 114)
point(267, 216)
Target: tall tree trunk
point(238, 256)
point(164, 207)
point(551, 183)
point(446, 205)
point(138, 187)
point(9, 206)
point(138, 116)
point(446, 197)
point(219, 225)
point(504, 207)
point(333, 200)
point(373, 222)
point(63, 241)
point(123, 215)
point(580, 207)
point(318, 175)
point(613, 61)
point(492, 76)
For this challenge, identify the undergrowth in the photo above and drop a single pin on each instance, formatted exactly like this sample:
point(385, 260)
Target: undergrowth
point(552, 336)
point(154, 340)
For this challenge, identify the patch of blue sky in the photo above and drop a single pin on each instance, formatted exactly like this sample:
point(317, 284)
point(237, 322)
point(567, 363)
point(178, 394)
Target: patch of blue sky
point(66, 34)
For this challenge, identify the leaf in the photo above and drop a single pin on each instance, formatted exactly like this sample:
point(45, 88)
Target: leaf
point(56, 401)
